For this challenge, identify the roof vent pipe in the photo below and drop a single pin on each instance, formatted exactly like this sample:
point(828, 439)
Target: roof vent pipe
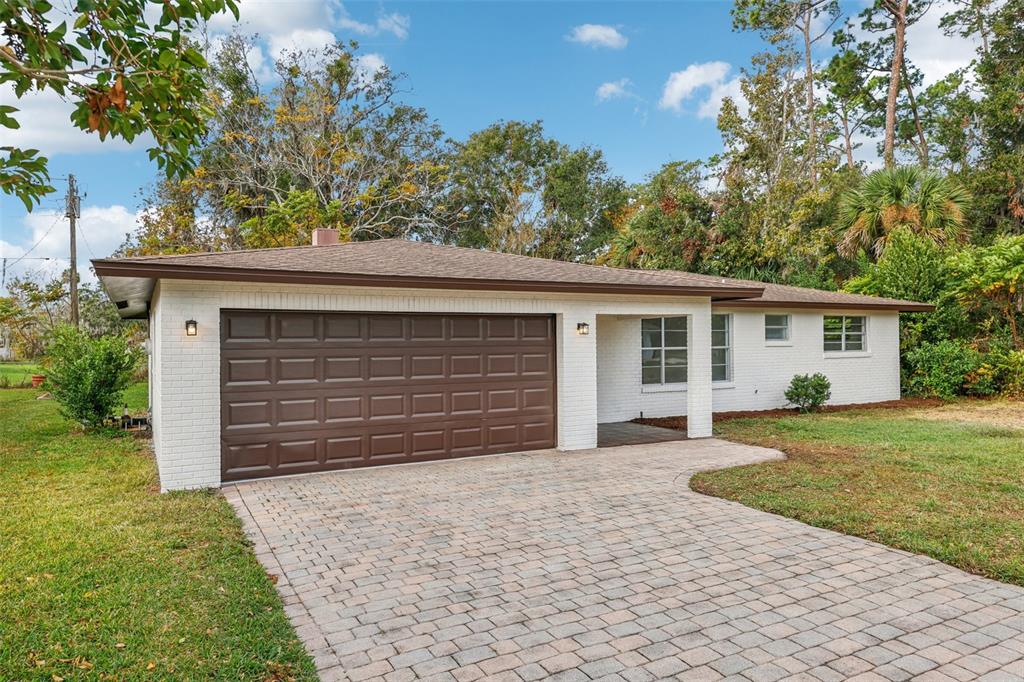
point(325, 236)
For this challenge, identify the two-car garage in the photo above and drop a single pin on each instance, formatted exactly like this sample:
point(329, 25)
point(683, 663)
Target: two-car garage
point(309, 391)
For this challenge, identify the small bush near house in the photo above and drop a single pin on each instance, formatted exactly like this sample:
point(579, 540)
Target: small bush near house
point(809, 392)
point(88, 376)
point(946, 369)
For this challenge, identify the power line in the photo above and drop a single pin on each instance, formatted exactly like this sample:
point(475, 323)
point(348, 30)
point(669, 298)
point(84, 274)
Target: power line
point(40, 240)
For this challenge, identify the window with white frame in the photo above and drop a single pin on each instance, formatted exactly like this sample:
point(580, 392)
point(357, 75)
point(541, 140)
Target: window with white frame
point(776, 327)
point(844, 333)
point(721, 347)
point(663, 350)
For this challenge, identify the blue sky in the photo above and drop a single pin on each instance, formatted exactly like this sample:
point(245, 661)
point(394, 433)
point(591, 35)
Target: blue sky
point(639, 80)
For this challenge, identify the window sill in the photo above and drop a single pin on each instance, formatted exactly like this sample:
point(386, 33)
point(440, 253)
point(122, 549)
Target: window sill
point(720, 385)
point(778, 344)
point(839, 355)
point(662, 388)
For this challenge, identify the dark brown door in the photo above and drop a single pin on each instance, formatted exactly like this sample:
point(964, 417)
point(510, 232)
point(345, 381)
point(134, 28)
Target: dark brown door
point(318, 391)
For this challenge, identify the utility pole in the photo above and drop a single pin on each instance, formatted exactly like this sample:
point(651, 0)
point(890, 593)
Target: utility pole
point(72, 213)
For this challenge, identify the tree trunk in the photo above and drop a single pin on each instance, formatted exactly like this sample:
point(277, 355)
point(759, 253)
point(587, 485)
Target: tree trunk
point(812, 132)
point(922, 147)
point(847, 139)
point(898, 9)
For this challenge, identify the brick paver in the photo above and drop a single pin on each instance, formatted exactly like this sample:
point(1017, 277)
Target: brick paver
point(605, 565)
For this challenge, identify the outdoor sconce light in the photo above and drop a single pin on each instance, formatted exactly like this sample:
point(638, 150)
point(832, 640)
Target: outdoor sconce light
point(582, 328)
point(191, 328)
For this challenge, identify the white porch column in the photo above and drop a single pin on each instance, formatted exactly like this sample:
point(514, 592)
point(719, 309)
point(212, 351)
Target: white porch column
point(698, 382)
point(577, 381)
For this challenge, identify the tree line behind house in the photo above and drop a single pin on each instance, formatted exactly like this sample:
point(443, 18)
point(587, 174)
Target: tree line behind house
point(331, 144)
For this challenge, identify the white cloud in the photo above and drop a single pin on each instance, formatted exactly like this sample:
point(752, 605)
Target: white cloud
point(598, 35)
point(273, 17)
point(613, 90)
point(46, 125)
point(300, 39)
point(101, 229)
point(396, 24)
point(709, 80)
point(932, 51)
point(367, 66)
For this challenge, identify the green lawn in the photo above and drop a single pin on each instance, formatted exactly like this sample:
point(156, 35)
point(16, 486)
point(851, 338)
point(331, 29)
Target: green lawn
point(102, 577)
point(16, 372)
point(944, 481)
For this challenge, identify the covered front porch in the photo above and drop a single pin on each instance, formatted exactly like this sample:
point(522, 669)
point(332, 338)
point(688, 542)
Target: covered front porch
point(652, 363)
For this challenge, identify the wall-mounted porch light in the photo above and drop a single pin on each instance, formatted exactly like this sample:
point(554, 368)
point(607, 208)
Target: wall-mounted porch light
point(191, 328)
point(582, 328)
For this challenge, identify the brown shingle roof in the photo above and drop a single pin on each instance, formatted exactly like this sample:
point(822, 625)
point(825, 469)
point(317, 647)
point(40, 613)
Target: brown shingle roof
point(399, 263)
point(784, 296)
point(393, 262)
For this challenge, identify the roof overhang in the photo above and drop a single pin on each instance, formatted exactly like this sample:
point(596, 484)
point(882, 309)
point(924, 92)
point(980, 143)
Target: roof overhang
point(130, 283)
point(901, 307)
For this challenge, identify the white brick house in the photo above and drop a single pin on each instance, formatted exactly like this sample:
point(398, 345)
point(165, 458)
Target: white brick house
point(281, 361)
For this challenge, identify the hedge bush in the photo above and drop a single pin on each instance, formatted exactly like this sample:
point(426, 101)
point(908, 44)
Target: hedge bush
point(87, 376)
point(945, 369)
point(809, 392)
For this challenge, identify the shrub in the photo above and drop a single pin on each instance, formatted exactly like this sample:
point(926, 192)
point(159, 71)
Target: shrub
point(944, 369)
point(87, 376)
point(809, 392)
point(1009, 367)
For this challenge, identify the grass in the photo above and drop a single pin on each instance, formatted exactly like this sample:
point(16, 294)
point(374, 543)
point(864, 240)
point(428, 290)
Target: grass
point(17, 372)
point(102, 577)
point(944, 481)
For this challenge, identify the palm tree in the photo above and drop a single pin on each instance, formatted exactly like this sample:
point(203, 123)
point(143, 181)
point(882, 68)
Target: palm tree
point(905, 196)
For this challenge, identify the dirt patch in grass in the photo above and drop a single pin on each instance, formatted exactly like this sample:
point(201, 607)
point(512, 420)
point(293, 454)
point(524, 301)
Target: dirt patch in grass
point(998, 413)
point(679, 423)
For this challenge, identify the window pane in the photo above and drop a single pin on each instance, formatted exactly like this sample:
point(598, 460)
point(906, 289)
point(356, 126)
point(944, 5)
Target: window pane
point(650, 333)
point(719, 339)
point(675, 324)
point(675, 339)
point(719, 322)
point(651, 366)
point(675, 366)
point(719, 356)
point(855, 324)
point(775, 334)
point(719, 373)
point(833, 324)
point(854, 342)
point(776, 320)
point(833, 345)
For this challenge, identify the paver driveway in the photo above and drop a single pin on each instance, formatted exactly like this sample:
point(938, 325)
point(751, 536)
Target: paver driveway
point(604, 565)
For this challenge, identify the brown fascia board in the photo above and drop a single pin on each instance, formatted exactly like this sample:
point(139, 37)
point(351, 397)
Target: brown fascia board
point(908, 307)
point(116, 268)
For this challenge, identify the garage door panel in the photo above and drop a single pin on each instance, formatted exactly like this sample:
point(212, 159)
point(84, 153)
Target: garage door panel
point(315, 391)
point(247, 372)
point(348, 368)
point(297, 327)
point(345, 450)
point(298, 370)
point(343, 328)
point(297, 453)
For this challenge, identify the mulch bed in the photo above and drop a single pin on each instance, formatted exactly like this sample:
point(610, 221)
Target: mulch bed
point(679, 423)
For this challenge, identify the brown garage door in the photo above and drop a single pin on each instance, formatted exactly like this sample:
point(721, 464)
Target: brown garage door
point(318, 391)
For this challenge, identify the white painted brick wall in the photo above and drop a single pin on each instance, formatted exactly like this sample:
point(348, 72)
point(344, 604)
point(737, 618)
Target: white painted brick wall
point(761, 370)
point(186, 369)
